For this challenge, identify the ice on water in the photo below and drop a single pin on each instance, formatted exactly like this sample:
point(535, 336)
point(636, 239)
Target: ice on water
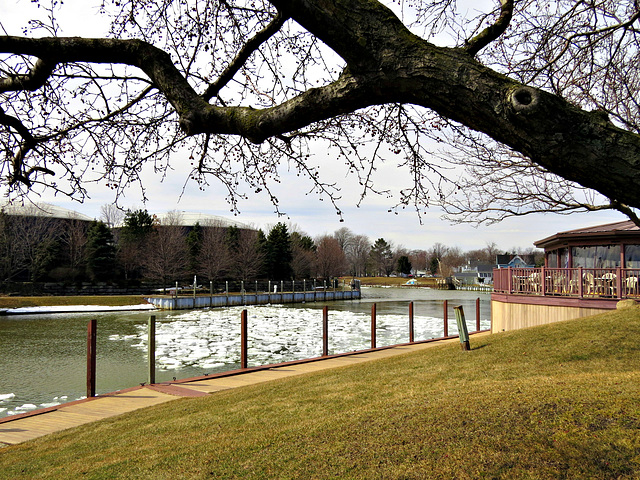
point(211, 338)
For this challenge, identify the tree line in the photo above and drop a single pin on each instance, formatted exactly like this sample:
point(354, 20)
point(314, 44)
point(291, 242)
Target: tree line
point(143, 248)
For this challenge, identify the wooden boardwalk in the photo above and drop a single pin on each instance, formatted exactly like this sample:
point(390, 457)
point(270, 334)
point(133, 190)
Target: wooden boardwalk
point(20, 428)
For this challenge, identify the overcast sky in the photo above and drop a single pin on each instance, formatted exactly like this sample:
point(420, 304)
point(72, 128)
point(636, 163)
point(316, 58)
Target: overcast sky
point(307, 212)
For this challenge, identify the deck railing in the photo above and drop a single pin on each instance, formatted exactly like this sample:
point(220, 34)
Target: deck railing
point(615, 283)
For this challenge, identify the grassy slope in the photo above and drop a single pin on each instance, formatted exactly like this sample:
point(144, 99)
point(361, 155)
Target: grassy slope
point(559, 401)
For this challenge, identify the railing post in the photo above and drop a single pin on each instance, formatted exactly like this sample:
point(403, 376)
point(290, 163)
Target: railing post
point(580, 283)
point(477, 314)
point(91, 358)
point(373, 326)
point(462, 328)
point(618, 283)
point(325, 331)
point(543, 281)
point(410, 322)
point(446, 319)
point(243, 339)
point(151, 347)
point(509, 280)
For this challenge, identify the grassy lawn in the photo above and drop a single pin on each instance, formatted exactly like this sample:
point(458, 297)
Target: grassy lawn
point(112, 301)
point(393, 281)
point(558, 401)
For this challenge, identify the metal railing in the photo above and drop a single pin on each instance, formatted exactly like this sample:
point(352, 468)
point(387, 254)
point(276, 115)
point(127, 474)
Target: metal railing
point(615, 283)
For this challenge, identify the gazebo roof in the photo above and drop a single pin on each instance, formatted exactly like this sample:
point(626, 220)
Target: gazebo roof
point(608, 232)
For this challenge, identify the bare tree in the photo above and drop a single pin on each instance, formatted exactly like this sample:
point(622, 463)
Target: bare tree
point(303, 251)
point(74, 238)
point(330, 258)
point(214, 259)
point(554, 82)
point(166, 255)
point(358, 255)
point(111, 215)
point(249, 259)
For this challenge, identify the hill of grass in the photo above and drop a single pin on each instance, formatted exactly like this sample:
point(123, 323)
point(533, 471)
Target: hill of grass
point(557, 401)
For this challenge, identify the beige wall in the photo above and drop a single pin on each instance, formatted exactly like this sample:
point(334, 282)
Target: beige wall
point(512, 316)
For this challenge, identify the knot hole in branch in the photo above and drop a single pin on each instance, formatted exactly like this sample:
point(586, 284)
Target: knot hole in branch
point(524, 99)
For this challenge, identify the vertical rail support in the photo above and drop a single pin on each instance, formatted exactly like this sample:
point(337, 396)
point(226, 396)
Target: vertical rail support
point(580, 282)
point(151, 346)
point(618, 283)
point(91, 358)
point(325, 331)
point(462, 328)
point(477, 314)
point(226, 292)
point(411, 322)
point(243, 339)
point(373, 326)
point(210, 293)
point(445, 333)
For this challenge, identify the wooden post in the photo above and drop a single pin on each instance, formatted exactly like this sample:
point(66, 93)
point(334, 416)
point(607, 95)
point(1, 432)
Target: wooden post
point(243, 339)
point(325, 331)
point(151, 345)
point(91, 358)
point(373, 326)
point(410, 322)
point(462, 328)
point(446, 320)
point(477, 314)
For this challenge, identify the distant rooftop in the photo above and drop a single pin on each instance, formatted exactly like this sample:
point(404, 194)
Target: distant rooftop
point(608, 230)
point(189, 219)
point(42, 210)
point(186, 219)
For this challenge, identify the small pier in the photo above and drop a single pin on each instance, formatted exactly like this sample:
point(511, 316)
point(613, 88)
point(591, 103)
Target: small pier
point(241, 299)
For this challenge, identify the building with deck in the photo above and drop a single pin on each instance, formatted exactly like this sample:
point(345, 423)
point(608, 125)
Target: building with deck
point(587, 271)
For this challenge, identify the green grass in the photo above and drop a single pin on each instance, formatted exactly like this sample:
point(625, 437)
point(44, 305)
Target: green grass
point(47, 301)
point(558, 401)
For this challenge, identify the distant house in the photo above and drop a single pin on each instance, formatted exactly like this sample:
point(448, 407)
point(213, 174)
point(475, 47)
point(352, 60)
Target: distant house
point(515, 261)
point(475, 273)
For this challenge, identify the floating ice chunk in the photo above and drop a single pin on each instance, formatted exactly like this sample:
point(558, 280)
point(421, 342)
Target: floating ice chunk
point(212, 365)
point(26, 406)
point(6, 396)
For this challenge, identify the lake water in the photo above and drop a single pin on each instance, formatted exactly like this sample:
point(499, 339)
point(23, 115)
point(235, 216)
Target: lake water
point(43, 357)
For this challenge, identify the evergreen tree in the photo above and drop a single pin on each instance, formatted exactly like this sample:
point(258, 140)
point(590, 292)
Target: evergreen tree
point(381, 257)
point(194, 246)
point(101, 252)
point(134, 236)
point(278, 253)
point(404, 265)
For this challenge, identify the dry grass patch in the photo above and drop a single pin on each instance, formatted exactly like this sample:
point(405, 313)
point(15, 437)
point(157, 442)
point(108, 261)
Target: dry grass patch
point(48, 301)
point(559, 401)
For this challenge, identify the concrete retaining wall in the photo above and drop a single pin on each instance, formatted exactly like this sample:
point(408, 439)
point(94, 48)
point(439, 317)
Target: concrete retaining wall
point(233, 300)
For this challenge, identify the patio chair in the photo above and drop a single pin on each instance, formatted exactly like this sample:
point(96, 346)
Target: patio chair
point(589, 283)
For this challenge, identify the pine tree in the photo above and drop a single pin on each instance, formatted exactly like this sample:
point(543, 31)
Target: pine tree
point(101, 252)
point(278, 253)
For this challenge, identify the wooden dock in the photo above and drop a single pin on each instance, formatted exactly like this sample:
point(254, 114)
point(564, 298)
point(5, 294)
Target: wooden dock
point(21, 428)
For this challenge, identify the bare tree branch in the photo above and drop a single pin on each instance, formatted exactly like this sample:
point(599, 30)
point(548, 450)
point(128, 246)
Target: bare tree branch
point(492, 32)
